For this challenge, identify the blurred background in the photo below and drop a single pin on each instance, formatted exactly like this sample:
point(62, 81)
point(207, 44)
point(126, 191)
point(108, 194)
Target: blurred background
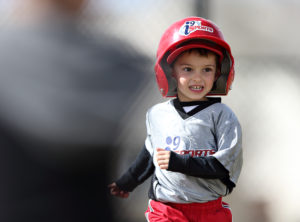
point(264, 38)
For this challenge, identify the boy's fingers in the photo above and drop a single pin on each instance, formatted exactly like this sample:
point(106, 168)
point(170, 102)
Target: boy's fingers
point(115, 190)
point(162, 161)
point(115, 193)
point(162, 152)
point(124, 194)
point(165, 155)
point(164, 166)
point(161, 157)
point(112, 185)
point(160, 149)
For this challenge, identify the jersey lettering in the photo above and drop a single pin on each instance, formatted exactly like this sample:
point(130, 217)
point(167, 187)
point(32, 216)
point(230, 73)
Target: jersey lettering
point(196, 153)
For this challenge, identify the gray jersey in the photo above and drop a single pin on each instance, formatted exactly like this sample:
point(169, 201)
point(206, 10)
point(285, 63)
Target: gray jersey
point(214, 131)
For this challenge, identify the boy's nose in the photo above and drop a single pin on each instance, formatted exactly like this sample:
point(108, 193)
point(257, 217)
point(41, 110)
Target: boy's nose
point(197, 77)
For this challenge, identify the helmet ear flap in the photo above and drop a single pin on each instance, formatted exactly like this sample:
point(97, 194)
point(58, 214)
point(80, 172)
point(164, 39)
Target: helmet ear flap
point(161, 80)
point(169, 77)
point(220, 85)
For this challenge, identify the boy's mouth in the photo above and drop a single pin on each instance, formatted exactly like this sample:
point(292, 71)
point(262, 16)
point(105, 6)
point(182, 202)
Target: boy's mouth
point(196, 88)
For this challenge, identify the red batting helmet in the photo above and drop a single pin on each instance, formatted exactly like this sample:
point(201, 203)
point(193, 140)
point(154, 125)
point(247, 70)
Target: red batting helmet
point(192, 32)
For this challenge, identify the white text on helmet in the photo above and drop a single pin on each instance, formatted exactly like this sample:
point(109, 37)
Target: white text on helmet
point(192, 26)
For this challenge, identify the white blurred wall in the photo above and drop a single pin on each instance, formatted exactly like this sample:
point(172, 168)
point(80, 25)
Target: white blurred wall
point(265, 40)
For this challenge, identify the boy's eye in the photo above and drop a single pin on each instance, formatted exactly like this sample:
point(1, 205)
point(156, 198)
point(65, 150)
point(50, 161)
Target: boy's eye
point(208, 69)
point(187, 69)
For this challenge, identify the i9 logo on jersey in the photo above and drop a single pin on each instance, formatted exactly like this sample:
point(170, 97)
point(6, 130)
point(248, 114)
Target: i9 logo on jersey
point(182, 145)
point(173, 143)
point(177, 143)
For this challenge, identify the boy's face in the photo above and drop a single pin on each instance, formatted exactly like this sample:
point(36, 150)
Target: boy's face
point(195, 75)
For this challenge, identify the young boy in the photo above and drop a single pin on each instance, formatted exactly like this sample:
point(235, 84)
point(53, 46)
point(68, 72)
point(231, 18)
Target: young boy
point(193, 147)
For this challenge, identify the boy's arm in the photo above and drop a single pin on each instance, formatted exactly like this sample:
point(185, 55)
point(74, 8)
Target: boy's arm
point(140, 170)
point(205, 167)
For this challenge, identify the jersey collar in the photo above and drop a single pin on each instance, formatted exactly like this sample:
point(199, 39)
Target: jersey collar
point(200, 106)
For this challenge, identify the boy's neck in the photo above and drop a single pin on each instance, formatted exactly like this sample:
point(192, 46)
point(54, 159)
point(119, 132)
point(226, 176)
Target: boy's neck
point(193, 101)
point(197, 102)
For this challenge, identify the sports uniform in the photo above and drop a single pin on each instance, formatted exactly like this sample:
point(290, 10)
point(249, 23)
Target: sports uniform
point(204, 137)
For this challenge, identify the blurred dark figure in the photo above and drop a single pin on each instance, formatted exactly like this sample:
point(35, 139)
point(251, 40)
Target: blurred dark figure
point(63, 94)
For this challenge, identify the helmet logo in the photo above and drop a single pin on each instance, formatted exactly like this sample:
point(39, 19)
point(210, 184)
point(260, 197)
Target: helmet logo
point(192, 26)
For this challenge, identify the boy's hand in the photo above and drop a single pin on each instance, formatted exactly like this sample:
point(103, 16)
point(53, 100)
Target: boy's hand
point(163, 158)
point(116, 191)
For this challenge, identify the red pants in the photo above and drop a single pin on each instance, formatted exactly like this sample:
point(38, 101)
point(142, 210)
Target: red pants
point(212, 211)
